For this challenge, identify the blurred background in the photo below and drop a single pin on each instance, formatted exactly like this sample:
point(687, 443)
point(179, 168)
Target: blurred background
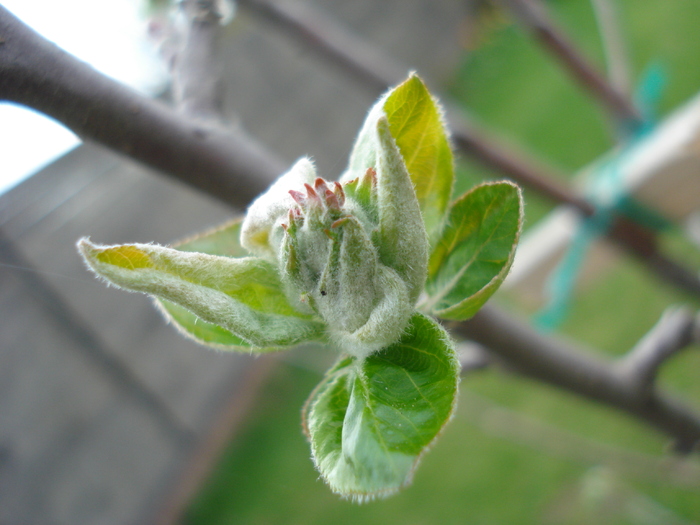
point(107, 415)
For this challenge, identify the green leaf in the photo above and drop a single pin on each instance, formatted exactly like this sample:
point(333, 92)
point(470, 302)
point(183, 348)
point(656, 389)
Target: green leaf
point(475, 250)
point(369, 421)
point(244, 296)
point(416, 124)
point(224, 240)
point(201, 331)
point(401, 235)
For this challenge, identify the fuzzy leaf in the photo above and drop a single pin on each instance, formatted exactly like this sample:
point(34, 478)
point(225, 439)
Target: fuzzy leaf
point(201, 331)
point(416, 124)
point(475, 250)
point(225, 241)
point(261, 233)
point(402, 240)
point(244, 296)
point(370, 420)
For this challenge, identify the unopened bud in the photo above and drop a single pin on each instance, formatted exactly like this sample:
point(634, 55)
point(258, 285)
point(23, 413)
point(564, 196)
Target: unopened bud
point(354, 253)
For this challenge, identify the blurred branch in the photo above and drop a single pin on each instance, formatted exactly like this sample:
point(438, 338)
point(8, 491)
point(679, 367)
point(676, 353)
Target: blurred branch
point(235, 169)
point(568, 366)
point(332, 42)
point(36, 73)
point(533, 15)
point(613, 45)
point(675, 331)
point(336, 45)
point(197, 81)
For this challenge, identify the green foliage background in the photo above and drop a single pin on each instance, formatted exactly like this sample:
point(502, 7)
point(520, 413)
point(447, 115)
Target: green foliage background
point(483, 470)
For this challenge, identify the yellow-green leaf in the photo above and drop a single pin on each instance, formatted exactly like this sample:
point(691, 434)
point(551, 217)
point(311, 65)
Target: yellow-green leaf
point(416, 123)
point(244, 296)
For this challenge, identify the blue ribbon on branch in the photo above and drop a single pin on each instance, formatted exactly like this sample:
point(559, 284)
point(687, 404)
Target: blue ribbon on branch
point(610, 198)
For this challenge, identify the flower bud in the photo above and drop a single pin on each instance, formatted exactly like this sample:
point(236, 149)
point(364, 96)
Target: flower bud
point(355, 253)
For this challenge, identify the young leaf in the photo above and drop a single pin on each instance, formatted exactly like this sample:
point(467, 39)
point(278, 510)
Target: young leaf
point(402, 240)
point(475, 250)
point(416, 124)
point(244, 296)
point(370, 420)
point(210, 334)
point(261, 233)
point(224, 240)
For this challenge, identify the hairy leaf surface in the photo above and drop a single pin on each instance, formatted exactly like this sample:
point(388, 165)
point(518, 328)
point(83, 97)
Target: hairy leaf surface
point(244, 295)
point(416, 124)
point(370, 420)
point(225, 241)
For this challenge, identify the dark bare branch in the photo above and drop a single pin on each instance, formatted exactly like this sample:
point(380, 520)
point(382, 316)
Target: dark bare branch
point(36, 73)
point(532, 14)
point(331, 41)
point(579, 370)
point(673, 333)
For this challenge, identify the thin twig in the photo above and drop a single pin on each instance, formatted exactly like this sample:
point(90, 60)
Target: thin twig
point(36, 73)
point(613, 45)
point(533, 15)
point(331, 41)
point(673, 333)
point(552, 440)
point(197, 79)
point(572, 368)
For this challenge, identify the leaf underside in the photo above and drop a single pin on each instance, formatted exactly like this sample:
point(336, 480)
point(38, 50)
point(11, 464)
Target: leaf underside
point(370, 421)
point(244, 296)
point(475, 250)
point(223, 240)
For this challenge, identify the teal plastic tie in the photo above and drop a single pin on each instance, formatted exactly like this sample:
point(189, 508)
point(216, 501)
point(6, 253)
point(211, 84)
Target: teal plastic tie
point(609, 197)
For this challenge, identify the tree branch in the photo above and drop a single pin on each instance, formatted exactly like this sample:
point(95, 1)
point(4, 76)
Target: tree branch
point(333, 43)
point(675, 331)
point(613, 45)
point(197, 80)
point(552, 440)
point(532, 14)
point(235, 169)
point(572, 368)
point(34, 72)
